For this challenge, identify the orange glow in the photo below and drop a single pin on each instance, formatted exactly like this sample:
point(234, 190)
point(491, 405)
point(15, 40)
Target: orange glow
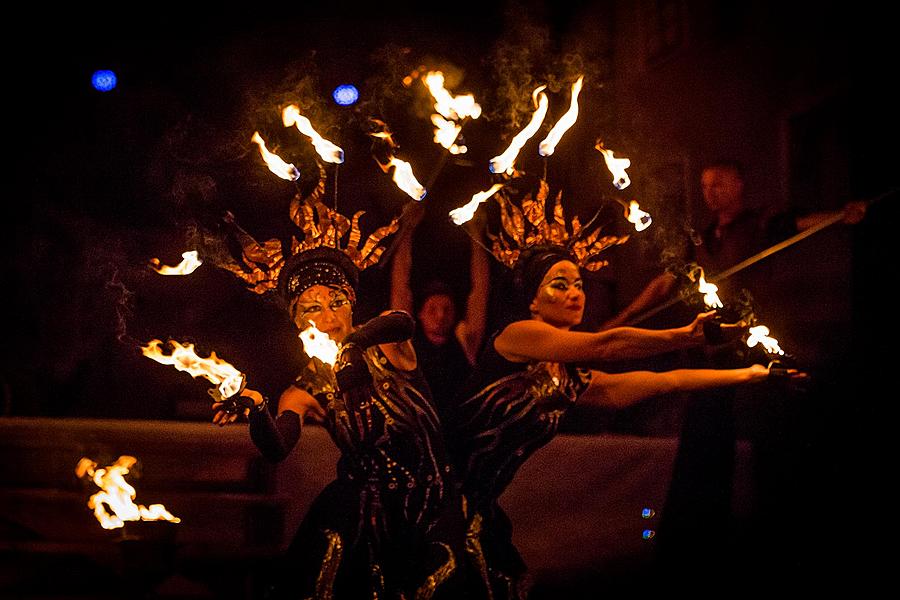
point(275, 163)
point(185, 267)
point(616, 166)
point(228, 379)
point(640, 218)
point(117, 495)
point(467, 211)
point(548, 145)
point(448, 105)
point(317, 344)
point(504, 162)
point(326, 150)
point(404, 178)
point(760, 335)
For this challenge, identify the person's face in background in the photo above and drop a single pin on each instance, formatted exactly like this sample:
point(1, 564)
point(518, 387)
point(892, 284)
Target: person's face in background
point(437, 318)
point(560, 297)
point(328, 307)
point(723, 190)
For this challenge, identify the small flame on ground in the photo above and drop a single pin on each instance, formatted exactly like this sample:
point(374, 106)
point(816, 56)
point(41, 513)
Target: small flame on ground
point(465, 213)
point(185, 267)
point(327, 151)
point(117, 495)
point(548, 145)
point(760, 335)
point(317, 344)
point(219, 372)
point(504, 162)
point(276, 164)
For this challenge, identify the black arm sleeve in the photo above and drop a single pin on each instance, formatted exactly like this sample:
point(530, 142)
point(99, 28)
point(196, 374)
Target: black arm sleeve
point(395, 326)
point(275, 438)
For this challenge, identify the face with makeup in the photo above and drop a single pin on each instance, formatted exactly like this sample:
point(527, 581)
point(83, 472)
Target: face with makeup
point(328, 307)
point(559, 300)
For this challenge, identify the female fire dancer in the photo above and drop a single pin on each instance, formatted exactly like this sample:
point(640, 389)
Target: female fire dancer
point(534, 369)
point(390, 525)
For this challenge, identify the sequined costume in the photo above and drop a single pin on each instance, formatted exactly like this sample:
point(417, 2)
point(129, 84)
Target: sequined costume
point(504, 414)
point(390, 526)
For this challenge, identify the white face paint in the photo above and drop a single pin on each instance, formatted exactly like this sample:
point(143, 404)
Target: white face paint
point(560, 298)
point(328, 307)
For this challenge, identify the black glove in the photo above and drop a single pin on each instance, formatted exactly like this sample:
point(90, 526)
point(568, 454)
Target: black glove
point(393, 327)
point(351, 370)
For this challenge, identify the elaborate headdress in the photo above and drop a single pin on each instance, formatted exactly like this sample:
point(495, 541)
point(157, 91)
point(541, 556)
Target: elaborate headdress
point(527, 229)
point(320, 258)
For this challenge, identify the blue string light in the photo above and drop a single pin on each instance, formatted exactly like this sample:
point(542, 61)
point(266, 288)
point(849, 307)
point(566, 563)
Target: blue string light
point(103, 80)
point(345, 95)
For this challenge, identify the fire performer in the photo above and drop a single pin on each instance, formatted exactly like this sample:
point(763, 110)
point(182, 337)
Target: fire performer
point(390, 525)
point(535, 368)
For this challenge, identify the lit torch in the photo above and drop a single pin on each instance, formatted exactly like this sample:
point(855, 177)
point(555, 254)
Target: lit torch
point(445, 134)
point(616, 166)
point(448, 105)
point(326, 150)
point(465, 212)
point(640, 218)
point(275, 163)
point(710, 298)
point(185, 267)
point(229, 380)
point(404, 178)
point(760, 335)
point(317, 344)
point(117, 495)
point(548, 145)
point(504, 162)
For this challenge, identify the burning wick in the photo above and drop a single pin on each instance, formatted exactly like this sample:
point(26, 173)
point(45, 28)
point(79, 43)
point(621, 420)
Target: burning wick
point(640, 218)
point(404, 178)
point(229, 380)
point(275, 163)
point(185, 267)
point(616, 166)
point(548, 146)
point(760, 335)
point(465, 212)
point(317, 344)
point(118, 495)
point(504, 162)
point(326, 150)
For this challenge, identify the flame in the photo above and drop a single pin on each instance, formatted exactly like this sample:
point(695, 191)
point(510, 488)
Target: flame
point(760, 335)
point(447, 105)
point(117, 495)
point(185, 267)
point(467, 211)
point(617, 167)
point(327, 151)
point(404, 178)
point(317, 344)
point(504, 162)
point(183, 358)
point(640, 218)
point(710, 298)
point(275, 163)
point(547, 146)
point(445, 134)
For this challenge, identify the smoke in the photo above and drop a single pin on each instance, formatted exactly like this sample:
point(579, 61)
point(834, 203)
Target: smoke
point(123, 305)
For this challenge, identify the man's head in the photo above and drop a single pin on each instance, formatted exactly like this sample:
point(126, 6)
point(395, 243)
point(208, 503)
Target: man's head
point(723, 188)
point(437, 312)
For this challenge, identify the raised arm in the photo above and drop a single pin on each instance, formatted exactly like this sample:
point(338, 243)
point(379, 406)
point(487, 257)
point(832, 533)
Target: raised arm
point(530, 340)
point(470, 330)
point(401, 263)
point(621, 390)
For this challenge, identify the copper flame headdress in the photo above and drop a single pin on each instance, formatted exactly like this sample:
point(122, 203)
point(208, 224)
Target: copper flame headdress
point(528, 227)
point(323, 227)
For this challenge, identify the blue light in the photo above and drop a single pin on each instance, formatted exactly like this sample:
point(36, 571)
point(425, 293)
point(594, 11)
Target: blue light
point(345, 95)
point(648, 534)
point(103, 80)
point(648, 513)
